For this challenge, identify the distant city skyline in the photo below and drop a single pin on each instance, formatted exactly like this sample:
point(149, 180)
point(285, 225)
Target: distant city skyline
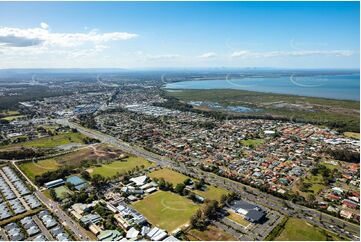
point(179, 34)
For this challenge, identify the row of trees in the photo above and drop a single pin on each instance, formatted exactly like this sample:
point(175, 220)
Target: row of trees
point(205, 214)
point(23, 153)
point(53, 175)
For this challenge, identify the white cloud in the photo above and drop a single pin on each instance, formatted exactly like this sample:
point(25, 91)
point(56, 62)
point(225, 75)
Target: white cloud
point(207, 55)
point(16, 37)
point(269, 54)
point(44, 25)
point(162, 57)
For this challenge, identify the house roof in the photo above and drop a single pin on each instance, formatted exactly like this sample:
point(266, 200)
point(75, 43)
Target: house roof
point(255, 215)
point(139, 181)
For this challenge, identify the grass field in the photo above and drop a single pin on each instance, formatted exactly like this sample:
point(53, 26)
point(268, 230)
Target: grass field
point(212, 193)
point(11, 118)
point(47, 194)
point(299, 230)
point(212, 233)
point(48, 142)
point(32, 169)
point(169, 176)
point(74, 159)
point(317, 183)
point(238, 219)
point(330, 166)
point(53, 141)
point(166, 210)
point(325, 111)
point(9, 113)
point(352, 135)
point(62, 191)
point(111, 169)
point(252, 142)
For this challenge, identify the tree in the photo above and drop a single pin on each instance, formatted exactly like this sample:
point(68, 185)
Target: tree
point(187, 181)
point(198, 220)
point(311, 197)
point(85, 174)
point(224, 199)
point(180, 188)
point(199, 184)
point(97, 180)
point(53, 195)
point(210, 209)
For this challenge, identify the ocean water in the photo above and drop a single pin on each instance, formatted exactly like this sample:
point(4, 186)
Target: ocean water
point(345, 87)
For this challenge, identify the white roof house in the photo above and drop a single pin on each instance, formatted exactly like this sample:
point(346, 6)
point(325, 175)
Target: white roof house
point(132, 233)
point(139, 181)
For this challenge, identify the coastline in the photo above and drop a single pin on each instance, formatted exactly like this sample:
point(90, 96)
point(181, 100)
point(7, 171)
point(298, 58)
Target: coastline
point(343, 115)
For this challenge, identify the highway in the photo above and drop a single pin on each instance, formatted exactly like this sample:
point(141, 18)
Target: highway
point(312, 216)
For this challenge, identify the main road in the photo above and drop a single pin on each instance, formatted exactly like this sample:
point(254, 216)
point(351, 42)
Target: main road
point(284, 207)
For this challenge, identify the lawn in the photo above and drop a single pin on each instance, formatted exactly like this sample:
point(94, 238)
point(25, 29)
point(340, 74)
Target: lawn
point(32, 169)
point(47, 194)
point(169, 176)
point(111, 169)
point(11, 118)
point(252, 142)
point(48, 142)
point(9, 113)
point(238, 219)
point(212, 233)
point(166, 210)
point(62, 191)
point(74, 159)
point(211, 193)
point(329, 166)
point(352, 135)
point(317, 183)
point(56, 140)
point(299, 230)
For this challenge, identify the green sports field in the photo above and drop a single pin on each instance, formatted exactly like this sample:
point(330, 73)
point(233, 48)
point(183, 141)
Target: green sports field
point(166, 210)
point(33, 169)
point(169, 176)
point(111, 169)
point(48, 142)
point(299, 230)
point(62, 191)
point(53, 141)
point(211, 192)
point(11, 118)
point(252, 142)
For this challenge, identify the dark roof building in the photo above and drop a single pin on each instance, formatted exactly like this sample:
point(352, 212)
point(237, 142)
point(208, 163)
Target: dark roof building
point(251, 212)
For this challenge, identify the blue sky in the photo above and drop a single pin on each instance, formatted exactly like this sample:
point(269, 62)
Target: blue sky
point(179, 34)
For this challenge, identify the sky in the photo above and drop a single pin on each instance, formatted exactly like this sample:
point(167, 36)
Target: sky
point(179, 34)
